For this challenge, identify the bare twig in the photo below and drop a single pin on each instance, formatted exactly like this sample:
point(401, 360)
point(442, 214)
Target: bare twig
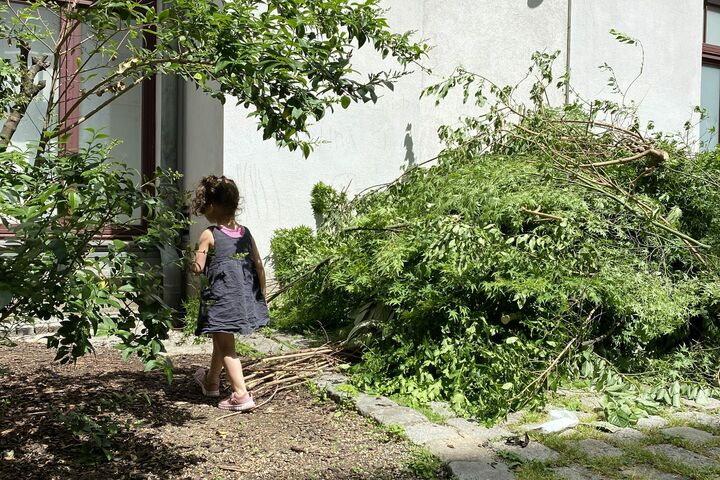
point(658, 155)
point(540, 214)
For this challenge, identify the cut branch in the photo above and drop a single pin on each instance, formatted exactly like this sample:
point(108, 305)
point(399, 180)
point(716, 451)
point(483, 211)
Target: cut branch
point(658, 156)
point(540, 214)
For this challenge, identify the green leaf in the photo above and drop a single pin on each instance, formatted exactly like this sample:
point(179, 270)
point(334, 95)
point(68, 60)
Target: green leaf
point(74, 199)
point(345, 101)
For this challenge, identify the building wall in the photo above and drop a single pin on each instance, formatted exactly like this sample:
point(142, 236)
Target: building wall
point(369, 144)
point(202, 148)
point(671, 33)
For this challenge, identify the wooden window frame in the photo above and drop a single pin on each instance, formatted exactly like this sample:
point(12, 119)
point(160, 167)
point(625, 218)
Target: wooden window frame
point(710, 52)
point(70, 91)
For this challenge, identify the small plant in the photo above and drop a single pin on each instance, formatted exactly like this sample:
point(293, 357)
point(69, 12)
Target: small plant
point(395, 432)
point(425, 465)
point(192, 309)
point(97, 435)
point(511, 459)
point(245, 350)
point(349, 389)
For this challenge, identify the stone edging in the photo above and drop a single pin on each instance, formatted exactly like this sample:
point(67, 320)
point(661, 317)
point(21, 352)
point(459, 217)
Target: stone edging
point(462, 444)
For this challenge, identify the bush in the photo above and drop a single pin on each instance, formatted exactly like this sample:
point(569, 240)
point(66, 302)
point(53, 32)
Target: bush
point(55, 266)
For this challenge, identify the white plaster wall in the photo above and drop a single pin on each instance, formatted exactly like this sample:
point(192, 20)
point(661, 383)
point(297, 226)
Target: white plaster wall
point(671, 33)
point(368, 144)
point(202, 154)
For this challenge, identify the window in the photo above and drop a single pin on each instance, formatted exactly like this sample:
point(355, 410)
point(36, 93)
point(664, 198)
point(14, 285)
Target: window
point(710, 83)
point(130, 118)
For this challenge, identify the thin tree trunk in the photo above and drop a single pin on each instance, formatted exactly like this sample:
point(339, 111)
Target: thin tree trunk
point(28, 90)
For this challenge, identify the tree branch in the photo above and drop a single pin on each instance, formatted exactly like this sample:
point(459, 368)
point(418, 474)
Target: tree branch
point(28, 90)
point(658, 156)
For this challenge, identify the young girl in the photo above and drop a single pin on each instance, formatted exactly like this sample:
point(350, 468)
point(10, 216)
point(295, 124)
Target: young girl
point(234, 299)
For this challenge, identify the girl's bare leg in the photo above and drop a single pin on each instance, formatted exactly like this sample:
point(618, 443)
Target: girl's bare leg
point(212, 378)
point(224, 345)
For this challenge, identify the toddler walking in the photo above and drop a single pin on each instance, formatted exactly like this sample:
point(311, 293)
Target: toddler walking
point(233, 301)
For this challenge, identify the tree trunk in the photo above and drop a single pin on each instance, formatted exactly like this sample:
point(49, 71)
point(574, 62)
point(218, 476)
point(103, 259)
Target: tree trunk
point(29, 89)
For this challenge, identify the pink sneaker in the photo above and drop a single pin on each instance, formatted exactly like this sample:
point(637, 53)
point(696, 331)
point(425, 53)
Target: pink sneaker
point(199, 377)
point(237, 403)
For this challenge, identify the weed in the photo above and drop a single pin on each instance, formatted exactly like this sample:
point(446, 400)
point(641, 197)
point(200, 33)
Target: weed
point(424, 464)
point(424, 408)
point(349, 389)
point(511, 459)
point(245, 350)
point(97, 435)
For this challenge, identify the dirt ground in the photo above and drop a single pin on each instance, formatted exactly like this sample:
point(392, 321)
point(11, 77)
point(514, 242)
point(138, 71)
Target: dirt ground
point(171, 431)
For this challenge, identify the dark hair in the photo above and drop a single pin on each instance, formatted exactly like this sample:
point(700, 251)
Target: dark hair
point(221, 192)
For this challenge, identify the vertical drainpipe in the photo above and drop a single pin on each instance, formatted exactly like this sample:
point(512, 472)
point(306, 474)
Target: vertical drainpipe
point(567, 52)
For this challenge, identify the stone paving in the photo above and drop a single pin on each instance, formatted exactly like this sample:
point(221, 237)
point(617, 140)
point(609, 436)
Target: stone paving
point(685, 441)
point(475, 452)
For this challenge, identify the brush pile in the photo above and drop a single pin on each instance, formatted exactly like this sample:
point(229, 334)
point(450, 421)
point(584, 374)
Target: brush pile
point(272, 374)
point(544, 245)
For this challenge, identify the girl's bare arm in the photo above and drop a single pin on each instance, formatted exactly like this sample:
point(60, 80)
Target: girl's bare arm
point(205, 243)
point(259, 268)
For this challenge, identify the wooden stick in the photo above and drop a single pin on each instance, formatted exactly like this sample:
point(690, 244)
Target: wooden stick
point(660, 155)
point(541, 214)
point(232, 468)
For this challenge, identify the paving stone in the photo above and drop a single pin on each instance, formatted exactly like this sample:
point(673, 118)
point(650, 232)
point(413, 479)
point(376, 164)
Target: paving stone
point(689, 433)
point(481, 471)
point(628, 434)
point(708, 404)
point(403, 416)
point(477, 433)
point(698, 417)
point(327, 379)
point(46, 327)
point(576, 472)
point(423, 433)
point(442, 408)
point(335, 392)
point(368, 403)
point(681, 455)
point(264, 344)
point(649, 473)
point(597, 449)
point(25, 330)
point(513, 418)
point(533, 452)
point(459, 450)
point(591, 403)
point(653, 421)
point(605, 427)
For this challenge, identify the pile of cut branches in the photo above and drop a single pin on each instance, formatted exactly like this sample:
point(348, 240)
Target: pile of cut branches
point(541, 240)
point(272, 374)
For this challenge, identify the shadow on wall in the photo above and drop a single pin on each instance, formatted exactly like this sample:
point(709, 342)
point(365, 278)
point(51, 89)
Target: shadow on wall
point(409, 144)
point(534, 3)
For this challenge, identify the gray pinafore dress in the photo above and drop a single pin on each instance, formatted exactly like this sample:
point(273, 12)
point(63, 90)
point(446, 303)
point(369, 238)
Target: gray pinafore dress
point(232, 301)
